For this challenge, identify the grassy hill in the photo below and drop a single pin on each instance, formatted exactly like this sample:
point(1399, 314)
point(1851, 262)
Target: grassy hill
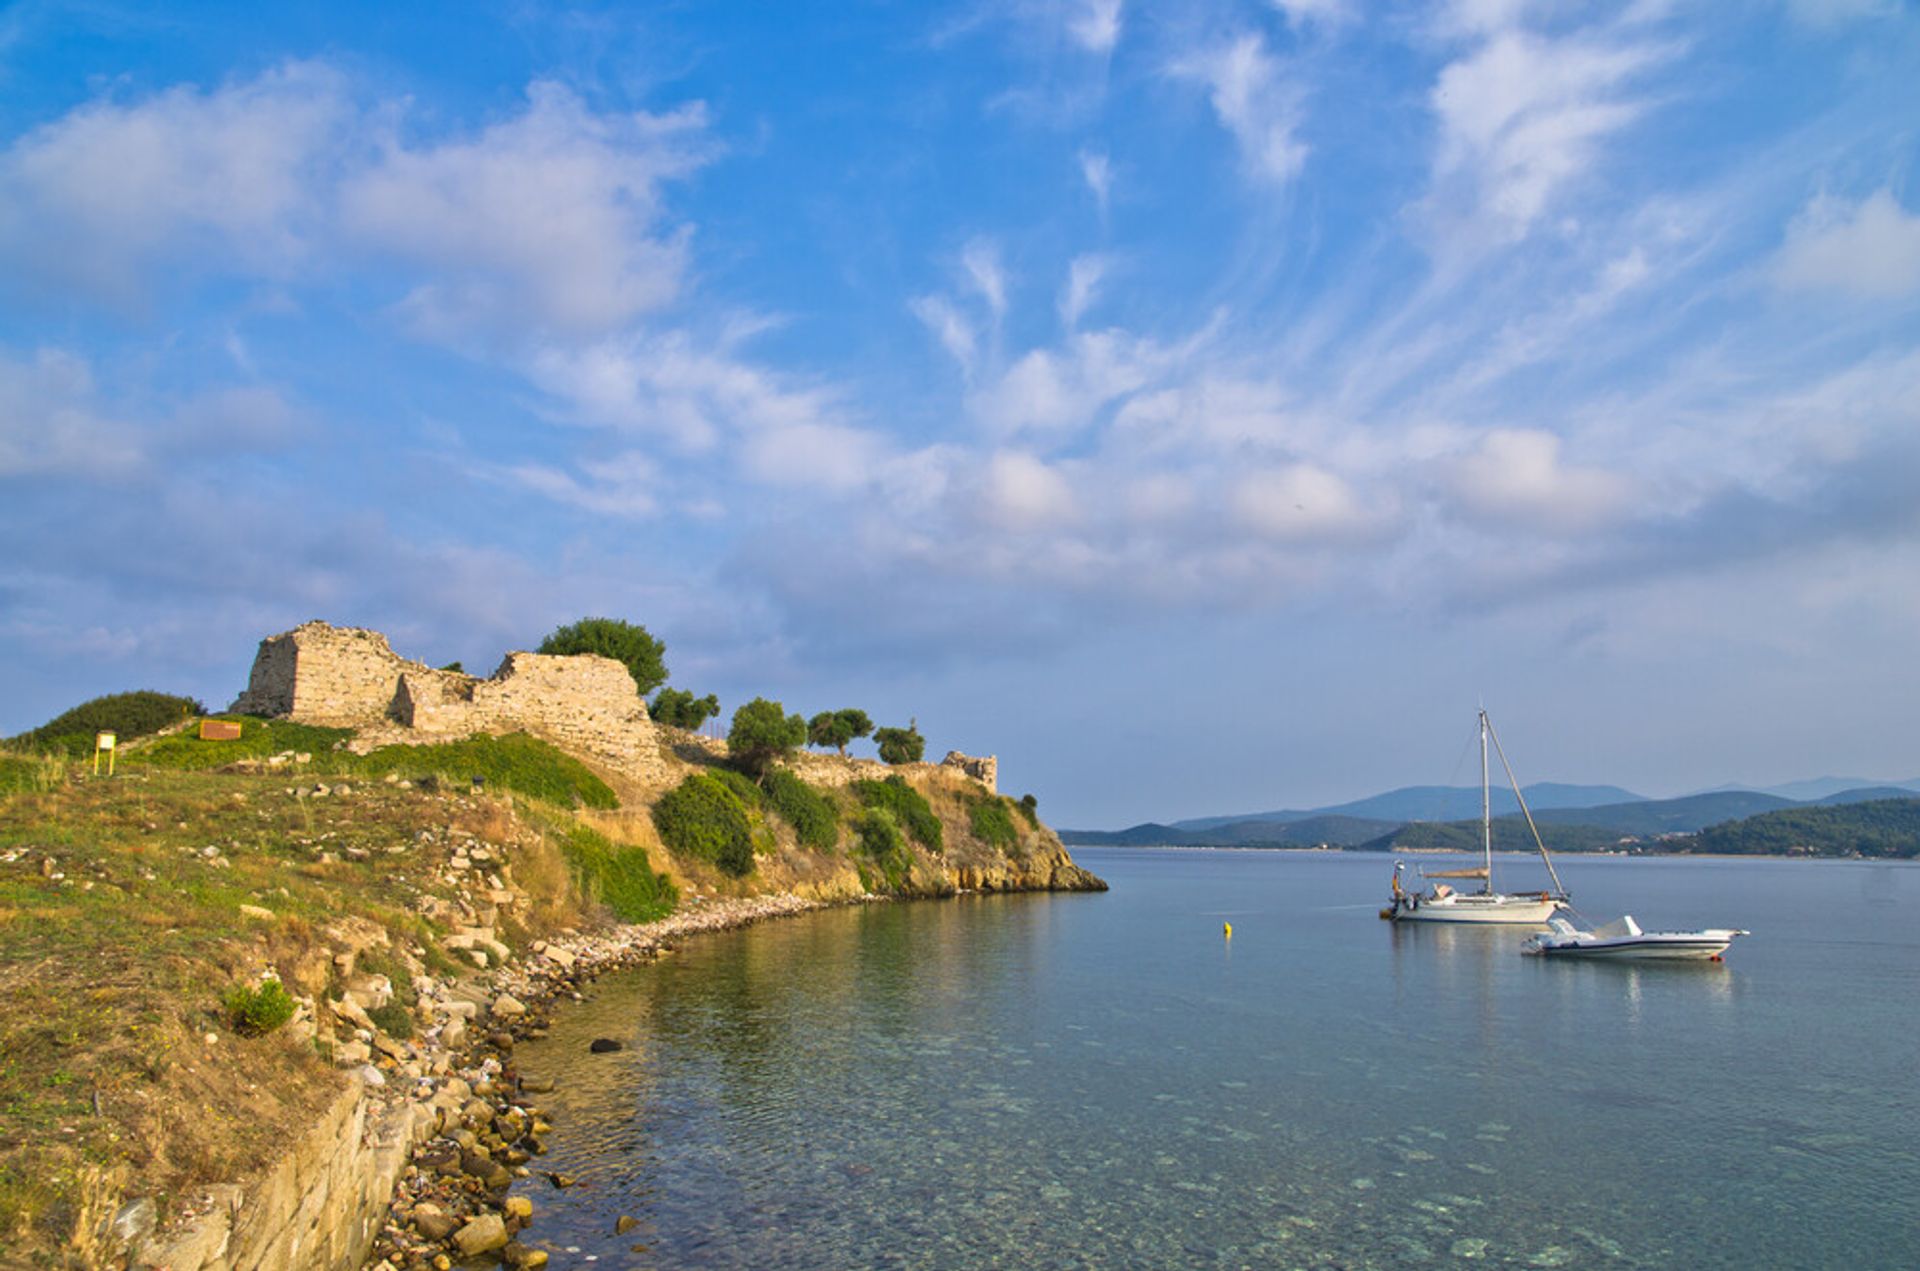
point(1879, 828)
point(134, 908)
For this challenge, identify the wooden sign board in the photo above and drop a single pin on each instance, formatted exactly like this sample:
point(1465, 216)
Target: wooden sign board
point(219, 730)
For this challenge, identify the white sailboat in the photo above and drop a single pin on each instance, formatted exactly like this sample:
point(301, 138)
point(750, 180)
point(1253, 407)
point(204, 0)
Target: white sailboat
point(1442, 903)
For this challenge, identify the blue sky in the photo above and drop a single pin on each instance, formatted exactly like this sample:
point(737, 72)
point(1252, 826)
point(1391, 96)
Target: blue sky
point(1204, 406)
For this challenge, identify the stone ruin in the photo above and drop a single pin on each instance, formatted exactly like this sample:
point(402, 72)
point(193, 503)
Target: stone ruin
point(350, 677)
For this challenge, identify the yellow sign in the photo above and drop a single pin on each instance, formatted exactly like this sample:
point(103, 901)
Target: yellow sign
point(104, 743)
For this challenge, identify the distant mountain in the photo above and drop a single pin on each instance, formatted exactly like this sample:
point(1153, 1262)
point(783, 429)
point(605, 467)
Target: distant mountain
point(1819, 789)
point(1433, 803)
point(1667, 816)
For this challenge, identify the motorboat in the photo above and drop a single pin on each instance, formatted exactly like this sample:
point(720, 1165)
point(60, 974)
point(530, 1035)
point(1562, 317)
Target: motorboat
point(1443, 903)
point(1624, 940)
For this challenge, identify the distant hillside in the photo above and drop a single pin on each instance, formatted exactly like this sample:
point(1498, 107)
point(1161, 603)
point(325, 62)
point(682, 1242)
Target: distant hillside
point(1881, 828)
point(1509, 835)
point(1336, 831)
point(1433, 803)
point(1666, 816)
point(1865, 794)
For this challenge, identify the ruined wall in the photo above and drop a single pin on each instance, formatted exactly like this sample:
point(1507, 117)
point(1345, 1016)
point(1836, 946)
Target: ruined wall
point(982, 768)
point(320, 1206)
point(347, 677)
point(341, 677)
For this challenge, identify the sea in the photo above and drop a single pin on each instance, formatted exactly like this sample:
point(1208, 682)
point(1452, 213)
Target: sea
point(1111, 1081)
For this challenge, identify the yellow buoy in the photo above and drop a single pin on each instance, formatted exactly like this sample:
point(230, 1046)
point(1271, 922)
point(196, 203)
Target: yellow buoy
point(1228, 928)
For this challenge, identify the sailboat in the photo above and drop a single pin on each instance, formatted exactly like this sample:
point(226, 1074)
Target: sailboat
point(1442, 903)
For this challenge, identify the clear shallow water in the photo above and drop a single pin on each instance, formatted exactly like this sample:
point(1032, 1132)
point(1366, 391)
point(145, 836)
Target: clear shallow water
point(1103, 1081)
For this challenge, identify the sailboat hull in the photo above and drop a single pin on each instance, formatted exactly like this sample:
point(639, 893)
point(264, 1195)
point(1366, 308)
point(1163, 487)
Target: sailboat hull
point(1476, 907)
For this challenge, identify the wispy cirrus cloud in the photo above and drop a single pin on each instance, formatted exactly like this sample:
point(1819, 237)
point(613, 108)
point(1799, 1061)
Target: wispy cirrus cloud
point(1254, 101)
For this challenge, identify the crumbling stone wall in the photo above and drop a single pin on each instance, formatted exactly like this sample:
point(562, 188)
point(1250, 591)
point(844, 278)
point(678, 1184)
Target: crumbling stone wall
point(982, 768)
point(348, 677)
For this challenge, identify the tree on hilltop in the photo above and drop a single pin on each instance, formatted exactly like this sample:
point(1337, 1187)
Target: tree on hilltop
point(762, 732)
point(837, 728)
point(681, 709)
point(900, 745)
point(627, 643)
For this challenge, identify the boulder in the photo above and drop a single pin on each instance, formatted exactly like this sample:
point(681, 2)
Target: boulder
point(483, 1235)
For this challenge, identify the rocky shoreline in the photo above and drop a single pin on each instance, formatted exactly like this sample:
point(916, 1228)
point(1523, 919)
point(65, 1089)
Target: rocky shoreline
point(485, 1129)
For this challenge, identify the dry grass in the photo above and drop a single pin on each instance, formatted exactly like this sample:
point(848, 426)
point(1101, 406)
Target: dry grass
point(120, 926)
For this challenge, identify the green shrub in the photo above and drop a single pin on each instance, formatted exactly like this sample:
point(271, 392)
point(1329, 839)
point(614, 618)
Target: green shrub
point(703, 819)
point(1030, 809)
point(900, 745)
point(878, 837)
point(992, 823)
point(679, 708)
point(257, 1011)
point(811, 814)
point(393, 1019)
point(619, 876)
point(258, 739)
point(762, 732)
point(525, 765)
point(625, 642)
point(907, 806)
point(743, 787)
point(126, 715)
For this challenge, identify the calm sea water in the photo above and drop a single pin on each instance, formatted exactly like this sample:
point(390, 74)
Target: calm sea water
point(1104, 1081)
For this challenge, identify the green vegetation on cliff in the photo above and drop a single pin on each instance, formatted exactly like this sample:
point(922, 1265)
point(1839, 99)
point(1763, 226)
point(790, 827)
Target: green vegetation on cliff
point(704, 819)
point(617, 875)
point(906, 808)
point(815, 821)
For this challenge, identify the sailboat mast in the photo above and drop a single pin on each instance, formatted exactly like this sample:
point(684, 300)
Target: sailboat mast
point(1486, 807)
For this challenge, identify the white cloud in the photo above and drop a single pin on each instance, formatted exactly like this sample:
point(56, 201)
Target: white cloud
point(1871, 248)
point(1301, 13)
point(230, 178)
point(705, 399)
point(624, 485)
point(1253, 103)
point(1083, 280)
point(1096, 170)
point(1299, 503)
point(52, 425)
point(954, 332)
point(981, 264)
point(1516, 476)
point(1523, 115)
point(1020, 493)
point(1095, 24)
point(821, 456)
point(549, 220)
point(1049, 391)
